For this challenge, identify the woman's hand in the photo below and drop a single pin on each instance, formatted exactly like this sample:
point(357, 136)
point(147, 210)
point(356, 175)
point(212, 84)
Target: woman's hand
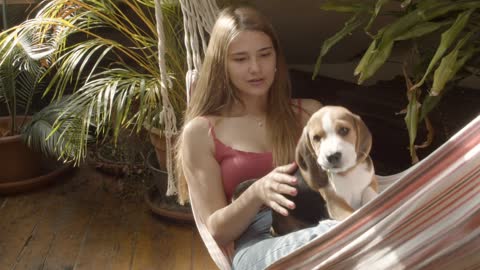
point(271, 187)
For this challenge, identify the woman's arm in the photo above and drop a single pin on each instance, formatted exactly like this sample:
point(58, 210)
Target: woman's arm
point(226, 221)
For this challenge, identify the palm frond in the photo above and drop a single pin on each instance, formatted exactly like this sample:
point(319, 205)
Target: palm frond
point(40, 133)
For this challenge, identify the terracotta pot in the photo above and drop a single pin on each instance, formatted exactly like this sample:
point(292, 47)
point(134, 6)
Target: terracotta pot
point(159, 142)
point(156, 197)
point(160, 146)
point(22, 169)
point(17, 161)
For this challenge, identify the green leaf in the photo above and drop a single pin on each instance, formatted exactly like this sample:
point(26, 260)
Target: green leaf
point(376, 60)
point(378, 6)
point(421, 30)
point(365, 58)
point(448, 37)
point(448, 68)
point(411, 120)
point(353, 23)
point(348, 6)
point(428, 105)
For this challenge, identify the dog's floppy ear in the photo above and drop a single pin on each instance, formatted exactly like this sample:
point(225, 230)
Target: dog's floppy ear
point(306, 159)
point(364, 138)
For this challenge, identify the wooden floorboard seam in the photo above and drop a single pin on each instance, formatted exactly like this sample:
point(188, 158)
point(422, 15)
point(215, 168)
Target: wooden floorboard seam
point(132, 253)
point(25, 246)
point(48, 251)
point(84, 239)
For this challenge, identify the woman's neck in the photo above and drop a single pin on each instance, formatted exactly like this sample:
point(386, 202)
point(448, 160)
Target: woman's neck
point(255, 106)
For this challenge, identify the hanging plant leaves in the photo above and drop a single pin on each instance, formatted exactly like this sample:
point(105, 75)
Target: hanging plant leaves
point(428, 104)
point(348, 6)
point(450, 65)
point(422, 29)
point(411, 119)
point(376, 59)
point(448, 37)
point(356, 21)
point(378, 5)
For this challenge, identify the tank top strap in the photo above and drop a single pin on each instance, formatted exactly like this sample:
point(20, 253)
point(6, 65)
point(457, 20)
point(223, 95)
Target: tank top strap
point(210, 126)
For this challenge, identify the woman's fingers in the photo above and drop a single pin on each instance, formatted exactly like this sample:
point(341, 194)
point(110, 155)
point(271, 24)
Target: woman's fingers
point(288, 169)
point(279, 187)
point(277, 208)
point(275, 185)
point(284, 178)
point(284, 202)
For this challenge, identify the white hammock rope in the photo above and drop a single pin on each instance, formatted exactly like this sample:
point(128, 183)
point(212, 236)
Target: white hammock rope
point(198, 19)
point(167, 115)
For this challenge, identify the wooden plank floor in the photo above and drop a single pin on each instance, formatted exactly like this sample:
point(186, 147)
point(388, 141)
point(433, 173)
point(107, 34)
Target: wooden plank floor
point(81, 222)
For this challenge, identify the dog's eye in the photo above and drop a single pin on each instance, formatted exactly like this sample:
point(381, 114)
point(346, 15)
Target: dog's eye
point(317, 138)
point(343, 131)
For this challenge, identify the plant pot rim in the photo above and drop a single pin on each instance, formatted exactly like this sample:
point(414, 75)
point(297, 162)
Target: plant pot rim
point(150, 196)
point(15, 137)
point(29, 184)
point(151, 166)
point(10, 138)
point(115, 167)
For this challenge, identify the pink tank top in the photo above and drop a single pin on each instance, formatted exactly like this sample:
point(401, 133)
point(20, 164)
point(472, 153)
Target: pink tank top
point(237, 166)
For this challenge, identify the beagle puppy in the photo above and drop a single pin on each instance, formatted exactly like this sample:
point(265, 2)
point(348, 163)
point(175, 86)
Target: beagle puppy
point(338, 142)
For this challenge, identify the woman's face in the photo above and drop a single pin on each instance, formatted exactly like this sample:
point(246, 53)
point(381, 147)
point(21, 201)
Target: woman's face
point(251, 63)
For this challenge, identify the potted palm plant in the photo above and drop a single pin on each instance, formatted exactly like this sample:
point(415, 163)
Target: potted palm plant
point(430, 71)
point(113, 63)
point(21, 70)
point(104, 55)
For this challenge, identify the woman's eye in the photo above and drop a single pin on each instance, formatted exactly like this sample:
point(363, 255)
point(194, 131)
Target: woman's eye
point(239, 59)
point(266, 54)
point(343, 131)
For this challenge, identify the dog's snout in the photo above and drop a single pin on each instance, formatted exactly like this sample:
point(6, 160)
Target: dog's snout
point(334, 158)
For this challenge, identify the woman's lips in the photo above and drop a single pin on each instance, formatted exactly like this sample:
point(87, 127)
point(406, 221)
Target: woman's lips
point(256, 82)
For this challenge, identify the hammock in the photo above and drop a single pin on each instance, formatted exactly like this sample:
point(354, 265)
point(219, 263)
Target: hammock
point(427, 217)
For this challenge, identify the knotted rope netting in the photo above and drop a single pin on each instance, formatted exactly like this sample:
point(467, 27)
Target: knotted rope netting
point(198, 19)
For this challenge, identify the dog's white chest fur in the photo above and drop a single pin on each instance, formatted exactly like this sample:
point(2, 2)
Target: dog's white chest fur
point(352, 185)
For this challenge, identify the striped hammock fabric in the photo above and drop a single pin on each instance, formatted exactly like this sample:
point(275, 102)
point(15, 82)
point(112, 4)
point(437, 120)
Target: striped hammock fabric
point(427, 217)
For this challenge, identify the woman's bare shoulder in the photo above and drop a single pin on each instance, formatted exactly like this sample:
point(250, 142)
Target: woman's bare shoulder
point(310, 105)
point(197, 130)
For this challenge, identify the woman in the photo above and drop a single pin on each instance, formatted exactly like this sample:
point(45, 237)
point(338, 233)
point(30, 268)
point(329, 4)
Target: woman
point(241, 124)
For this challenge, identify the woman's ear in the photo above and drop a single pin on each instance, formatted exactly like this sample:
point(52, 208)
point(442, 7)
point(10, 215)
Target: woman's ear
point(364, 138)
point(313, 174)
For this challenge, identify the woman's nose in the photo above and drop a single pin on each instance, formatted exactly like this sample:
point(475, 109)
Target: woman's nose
point(253, 66)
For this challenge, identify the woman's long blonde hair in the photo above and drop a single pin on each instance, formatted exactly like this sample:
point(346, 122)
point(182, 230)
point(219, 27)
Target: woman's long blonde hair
point(214, 92)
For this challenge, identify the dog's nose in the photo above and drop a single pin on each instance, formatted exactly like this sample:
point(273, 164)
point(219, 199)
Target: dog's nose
point(334, 158)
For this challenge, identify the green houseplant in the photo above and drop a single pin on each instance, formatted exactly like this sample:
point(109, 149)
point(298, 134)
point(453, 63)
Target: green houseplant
point(104, 73)
point(104, 55)
point(453, 28)
point(21, 71)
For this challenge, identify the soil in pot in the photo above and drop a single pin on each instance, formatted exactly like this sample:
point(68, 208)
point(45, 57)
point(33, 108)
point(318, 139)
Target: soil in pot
point(126, 157)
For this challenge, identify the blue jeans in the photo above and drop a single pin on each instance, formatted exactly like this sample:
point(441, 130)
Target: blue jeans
point(256, 248)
